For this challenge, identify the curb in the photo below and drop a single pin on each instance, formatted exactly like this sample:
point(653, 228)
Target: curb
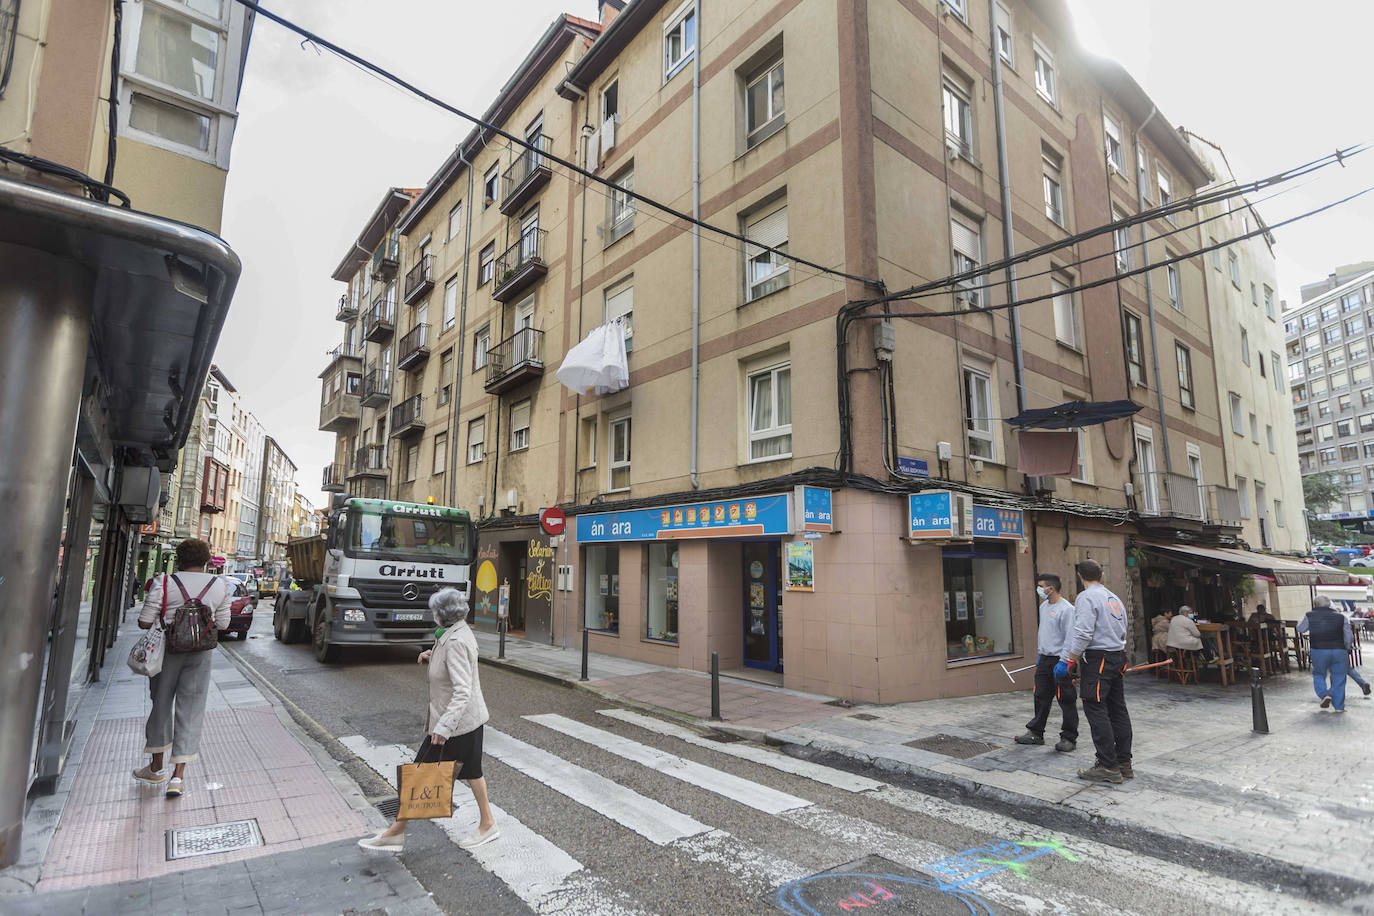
point(1254, 868)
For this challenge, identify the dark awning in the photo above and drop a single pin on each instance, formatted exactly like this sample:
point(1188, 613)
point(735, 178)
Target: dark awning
point(1072, 414)
point(1284, 570)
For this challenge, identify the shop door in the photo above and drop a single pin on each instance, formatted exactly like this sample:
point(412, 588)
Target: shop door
point(514, 563)
point(538, 591)
point(762, 606)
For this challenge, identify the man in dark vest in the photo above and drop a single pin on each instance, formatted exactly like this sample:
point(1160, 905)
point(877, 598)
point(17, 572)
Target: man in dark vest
point(1328, 631)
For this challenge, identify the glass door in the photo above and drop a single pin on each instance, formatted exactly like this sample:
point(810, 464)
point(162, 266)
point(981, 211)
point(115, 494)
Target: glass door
point(762, 606)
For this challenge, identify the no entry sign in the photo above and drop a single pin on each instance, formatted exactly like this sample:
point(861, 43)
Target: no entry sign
point(552, 520)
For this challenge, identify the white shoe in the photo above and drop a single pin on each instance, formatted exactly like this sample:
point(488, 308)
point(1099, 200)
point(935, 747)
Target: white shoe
point(380, 843)
point(480, 837)
point(174, 787)
point(146, 774)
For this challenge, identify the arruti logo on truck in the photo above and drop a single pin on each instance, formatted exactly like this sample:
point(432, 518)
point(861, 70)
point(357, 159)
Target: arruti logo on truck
point(410, 572)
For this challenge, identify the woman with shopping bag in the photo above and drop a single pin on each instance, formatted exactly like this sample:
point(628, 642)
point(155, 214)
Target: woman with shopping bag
point(454, 724)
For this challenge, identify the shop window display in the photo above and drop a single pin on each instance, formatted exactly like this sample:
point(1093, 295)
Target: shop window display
point(977, 602)
point(663, 592)
point(603, 589)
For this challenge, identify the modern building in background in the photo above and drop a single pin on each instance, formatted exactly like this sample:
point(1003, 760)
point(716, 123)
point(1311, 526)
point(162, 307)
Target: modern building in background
point(276, 506)
point(113, 291)
point(1331, 378)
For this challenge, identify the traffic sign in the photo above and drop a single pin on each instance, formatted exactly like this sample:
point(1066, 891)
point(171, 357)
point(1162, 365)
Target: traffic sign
point(552, 520)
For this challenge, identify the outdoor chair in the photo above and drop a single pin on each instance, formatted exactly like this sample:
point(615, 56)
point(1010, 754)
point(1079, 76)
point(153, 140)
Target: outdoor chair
point(1184, 665)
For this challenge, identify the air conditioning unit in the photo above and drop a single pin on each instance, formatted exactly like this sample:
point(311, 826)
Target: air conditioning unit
point(961, 516)
point(1041, 486)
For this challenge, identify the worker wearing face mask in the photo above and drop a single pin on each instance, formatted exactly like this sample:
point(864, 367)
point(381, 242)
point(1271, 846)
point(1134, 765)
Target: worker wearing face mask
point(1056, 626)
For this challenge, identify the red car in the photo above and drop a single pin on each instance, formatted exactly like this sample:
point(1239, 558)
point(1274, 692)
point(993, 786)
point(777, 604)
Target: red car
point(241, 610)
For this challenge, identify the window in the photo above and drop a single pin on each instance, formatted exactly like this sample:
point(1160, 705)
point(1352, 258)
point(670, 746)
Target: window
point(1175, 286)
point(440, 452)
point(1254, 430)
point(770, 413)
point(1135, 349)
point(1369, 449)
point(1350, 452)
point(412, 461)
point(610, 102)
point(1312, 342)
point(1054, 193)
point(455, 220)
point(620, 218)
point(679, 38)
point(1195, 472)
point(619, 451)
point(979, 413)
point(1359, 351)
point(1323, 409)
point(977, 590)
point(1328, 312)
point(520, 425)
point(620, 303)
point(1354, 326)
point(1116, 153)
point(1166, 192)
point(446, 376)
point(958, 117)
point(1263, 373)
point(1359, 375)
point(1344, 429)
point(1309, 321)
point(1216, 253)
point(1269, 437)
point(1145, 459)
point(450, 302)
point(602, 601)
point(1367, 397)
point(1315, 365)
point(1005, 45)
point(1245, 346)
point(959, 7)
point(766, 271)
point(1237, 415)
point(1083, 468)
point(661, 621)
point(1350, 302)
point(481, 343)
point(1065, 313)
point(1234, 264)
point(477, 431)
point(1242, 489)
point(1122, 240)
point(1184, 358)
point(489, 185)
point(1044, 72)
point(967, 243)
point(587, 444)
point(486, 264)
point(354, 383)
point(763, 105)
point(1336, 359)
point(1340, 381)
point(1332, 334)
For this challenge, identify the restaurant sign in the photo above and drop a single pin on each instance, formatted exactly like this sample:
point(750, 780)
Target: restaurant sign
point(755, 516)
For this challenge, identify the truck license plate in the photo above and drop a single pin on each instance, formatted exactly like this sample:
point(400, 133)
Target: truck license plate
point(408, 616)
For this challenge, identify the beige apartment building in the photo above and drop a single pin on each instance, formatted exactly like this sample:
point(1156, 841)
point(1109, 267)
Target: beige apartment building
point(765, 454)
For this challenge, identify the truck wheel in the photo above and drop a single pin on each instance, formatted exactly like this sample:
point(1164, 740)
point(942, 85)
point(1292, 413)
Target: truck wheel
point(294, 631)
point(324, 650)
point(277, 629)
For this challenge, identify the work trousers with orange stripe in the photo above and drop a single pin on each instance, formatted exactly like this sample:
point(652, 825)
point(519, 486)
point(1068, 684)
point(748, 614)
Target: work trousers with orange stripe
point(1047, 690)
point(1104, 705)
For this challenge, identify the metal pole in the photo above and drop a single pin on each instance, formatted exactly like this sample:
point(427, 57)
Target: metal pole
point(1008, 239)
point(585, 637)
point(501, 631)
point(715, 686)
point(1258, 717)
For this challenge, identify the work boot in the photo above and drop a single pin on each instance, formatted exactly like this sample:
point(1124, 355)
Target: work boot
point(1099, 773)
point(1365, 688)
point(1127, 771)
point(1065, 745)
point(1030, 738)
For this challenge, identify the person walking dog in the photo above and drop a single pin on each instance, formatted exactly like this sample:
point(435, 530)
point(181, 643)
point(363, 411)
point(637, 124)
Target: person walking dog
point(1098, 649)
point(456, 715)
point(1330, 635)
point(1056, 627)
point(193, 605)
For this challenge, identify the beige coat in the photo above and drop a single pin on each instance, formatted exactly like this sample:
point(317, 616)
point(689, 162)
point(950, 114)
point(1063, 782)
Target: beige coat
point(1184, 634)
point(456, 706)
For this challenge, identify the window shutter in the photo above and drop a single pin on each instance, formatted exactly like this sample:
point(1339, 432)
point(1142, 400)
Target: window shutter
point(620, 302)
point(769, 231)
point(520, 415)
point(476, 429)
point(965, 239)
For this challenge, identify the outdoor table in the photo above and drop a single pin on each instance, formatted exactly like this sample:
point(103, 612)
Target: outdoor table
point(1225, 657)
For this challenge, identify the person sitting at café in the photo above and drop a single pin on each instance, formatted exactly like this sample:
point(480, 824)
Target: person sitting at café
point(1159, 639)
point(1184, 634)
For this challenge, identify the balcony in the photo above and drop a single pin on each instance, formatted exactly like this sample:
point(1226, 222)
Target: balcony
point(340, 413)
point(386, 260)
point(418, 279)
point(526, 176)
point(520, 265)
point(333, 478)
point(380, 322)
point(414, 348)
point(406, 419)
point(349, 352)
point(348, 309)
point(1223, 506)
point(376, 387)
point(369, 461)
point(515, 360)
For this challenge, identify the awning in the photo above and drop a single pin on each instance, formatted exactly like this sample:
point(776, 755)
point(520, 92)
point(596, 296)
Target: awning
point(1073, 414)
point(1284, 570)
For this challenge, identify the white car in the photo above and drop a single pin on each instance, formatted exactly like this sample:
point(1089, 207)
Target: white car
point(1363, 562)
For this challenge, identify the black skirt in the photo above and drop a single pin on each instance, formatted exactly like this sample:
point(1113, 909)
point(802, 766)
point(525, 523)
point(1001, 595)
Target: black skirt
point(466, 749)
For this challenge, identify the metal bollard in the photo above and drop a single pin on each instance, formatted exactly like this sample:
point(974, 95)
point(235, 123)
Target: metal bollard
point(1259, 719)
point(501, 630)
point(585, 638)
point(715, 686)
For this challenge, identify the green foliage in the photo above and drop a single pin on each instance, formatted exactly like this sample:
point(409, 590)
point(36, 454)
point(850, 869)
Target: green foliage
point(1331, 533)
point(1322, 490)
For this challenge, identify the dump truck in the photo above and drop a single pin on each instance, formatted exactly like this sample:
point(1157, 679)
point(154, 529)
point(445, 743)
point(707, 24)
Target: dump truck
point(366, 581)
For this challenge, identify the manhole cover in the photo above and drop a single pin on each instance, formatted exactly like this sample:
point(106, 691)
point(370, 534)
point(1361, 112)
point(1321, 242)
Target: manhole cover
point(185, 842)
point(389, 806)
point(952, 746)
point(874, 882)
point(864, 717)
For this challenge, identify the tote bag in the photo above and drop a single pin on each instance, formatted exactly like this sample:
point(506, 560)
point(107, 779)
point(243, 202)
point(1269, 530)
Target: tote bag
point(146, 656)
point(426, 790)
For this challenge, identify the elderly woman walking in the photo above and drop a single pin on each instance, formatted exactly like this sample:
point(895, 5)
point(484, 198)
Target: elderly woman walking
point(456, 715)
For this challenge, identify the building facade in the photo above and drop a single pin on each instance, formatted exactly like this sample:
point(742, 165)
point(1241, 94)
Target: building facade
point(276, 506)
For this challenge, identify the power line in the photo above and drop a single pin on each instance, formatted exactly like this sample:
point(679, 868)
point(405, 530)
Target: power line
point(551, 157)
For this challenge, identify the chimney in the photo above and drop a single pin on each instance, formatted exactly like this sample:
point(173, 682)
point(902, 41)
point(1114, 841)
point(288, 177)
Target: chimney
point(607, 10)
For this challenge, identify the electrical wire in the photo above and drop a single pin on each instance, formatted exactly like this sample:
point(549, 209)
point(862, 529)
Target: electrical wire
point(98, 190)
point(113, 125)
point(571, 167)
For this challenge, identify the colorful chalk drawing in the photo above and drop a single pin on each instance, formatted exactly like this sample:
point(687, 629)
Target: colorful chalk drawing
point(951, 876)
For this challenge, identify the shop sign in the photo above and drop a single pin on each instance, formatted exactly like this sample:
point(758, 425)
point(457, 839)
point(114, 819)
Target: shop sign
point(936, 514)
point(815, 509)
point(148, 529)
point(755, 516)
point(989, 522)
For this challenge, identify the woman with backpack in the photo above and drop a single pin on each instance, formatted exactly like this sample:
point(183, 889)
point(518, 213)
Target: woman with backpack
point(192, 606)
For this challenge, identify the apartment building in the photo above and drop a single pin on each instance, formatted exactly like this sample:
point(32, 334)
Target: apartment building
point(750, 418)
point(1332, 382)
point(275, 507)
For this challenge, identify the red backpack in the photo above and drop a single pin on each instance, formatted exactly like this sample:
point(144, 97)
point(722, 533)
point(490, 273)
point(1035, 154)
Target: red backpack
point(193, 624)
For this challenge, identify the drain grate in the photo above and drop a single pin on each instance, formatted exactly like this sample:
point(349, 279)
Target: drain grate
point(864, 717)
point(842, 703)
point(186, 842)
point(388, 806)
point(722, 737)
point(952, 746)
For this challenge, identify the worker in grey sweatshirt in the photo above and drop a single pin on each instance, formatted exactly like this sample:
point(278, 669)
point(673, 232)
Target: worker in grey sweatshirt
point(1098, 650)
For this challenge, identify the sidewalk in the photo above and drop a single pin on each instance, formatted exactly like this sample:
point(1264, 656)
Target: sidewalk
point(101, 843)
point(1302, 795)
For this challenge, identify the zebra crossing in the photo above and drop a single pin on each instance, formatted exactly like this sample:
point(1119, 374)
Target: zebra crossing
point(749, 823)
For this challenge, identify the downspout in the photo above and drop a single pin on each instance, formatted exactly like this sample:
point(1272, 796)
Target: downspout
point(581, 282)
point(696, 246)
point(1004, 174)
point(1149, 290)
point(459, 363)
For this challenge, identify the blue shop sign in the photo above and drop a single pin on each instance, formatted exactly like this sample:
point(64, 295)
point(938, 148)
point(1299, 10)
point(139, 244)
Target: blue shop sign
point(817, 513)
point(998, 523)
point(933, 514)
point(754, 516)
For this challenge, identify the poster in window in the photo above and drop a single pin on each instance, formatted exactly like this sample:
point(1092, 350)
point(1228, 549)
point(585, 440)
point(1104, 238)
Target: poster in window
point(946, 607)
point(800, 567)
point(961, 605)
point(615, 585)
point(978, 604)
point(605, 584)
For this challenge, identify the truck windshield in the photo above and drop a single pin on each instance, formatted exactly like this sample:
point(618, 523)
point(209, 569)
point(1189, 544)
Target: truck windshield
point(403, 537)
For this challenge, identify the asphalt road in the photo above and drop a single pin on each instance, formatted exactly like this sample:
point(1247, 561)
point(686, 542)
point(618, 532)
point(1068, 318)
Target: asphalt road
point(602, 814)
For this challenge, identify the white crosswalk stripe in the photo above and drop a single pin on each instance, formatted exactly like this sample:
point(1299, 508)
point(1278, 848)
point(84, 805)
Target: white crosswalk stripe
point(839, 779)
point(728, 785)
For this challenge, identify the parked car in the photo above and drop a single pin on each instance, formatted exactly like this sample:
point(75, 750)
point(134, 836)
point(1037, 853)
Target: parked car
point(249, 583)
point(1364, 562)
point(241, 609)
point(267, 587)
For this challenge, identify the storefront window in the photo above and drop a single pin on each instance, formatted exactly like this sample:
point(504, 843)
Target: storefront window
point(603, 589)
point(977, 602)
point(662, 620)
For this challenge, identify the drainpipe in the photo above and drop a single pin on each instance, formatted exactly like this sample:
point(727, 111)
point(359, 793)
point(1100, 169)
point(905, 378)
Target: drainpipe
point(1149, 289)
point(696, 245)
point(1008, 243)
point(453, 438)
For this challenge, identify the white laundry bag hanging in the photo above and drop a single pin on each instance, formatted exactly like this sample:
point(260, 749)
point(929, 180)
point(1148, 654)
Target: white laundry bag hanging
point(598, 363)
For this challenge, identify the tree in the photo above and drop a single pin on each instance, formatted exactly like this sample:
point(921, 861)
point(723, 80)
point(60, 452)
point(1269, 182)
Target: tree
point(1320, 492)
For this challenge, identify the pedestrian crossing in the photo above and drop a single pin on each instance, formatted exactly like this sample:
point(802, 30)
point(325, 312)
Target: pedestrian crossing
point(755, 820)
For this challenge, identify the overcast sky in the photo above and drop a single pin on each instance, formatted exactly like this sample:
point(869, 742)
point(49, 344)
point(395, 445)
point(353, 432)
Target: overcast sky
point(318, 142)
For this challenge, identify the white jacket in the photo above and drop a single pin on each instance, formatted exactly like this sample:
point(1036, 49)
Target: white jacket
point(456, 706)
point(1184, 634)
point(219, 598)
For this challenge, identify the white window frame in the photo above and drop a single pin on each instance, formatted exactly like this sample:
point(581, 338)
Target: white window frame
point(1245, 346)
point(1175, 284)
point(1053, 180)
point(1269, 436)
point(620, 212)
point(615, 462)
point(776, 430)
point(1121, 242)
point(614, 305)
point(450, 303)
point(1233, 263)
point(455, 216)
point(486, 264)
point(520, 435)
point(1111, 131)
point(1066, 326)
point(677, 23)
point(1166, 190)
point(957, 102)
point(1129, 319)
point(1183, 359)
point(980, 419)
point(958, 8)
point(964, 261)
point(1278, 514)
point(1149, 480)
point(481, 346)
point(491, 179)
point(1046, 80)
point(1083, 471)
point(440, 453)
point(477, 446)
point(1237, 413)
point(769, 125)
point(1006, 38)
point(1195, 455)
point(763, 224)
